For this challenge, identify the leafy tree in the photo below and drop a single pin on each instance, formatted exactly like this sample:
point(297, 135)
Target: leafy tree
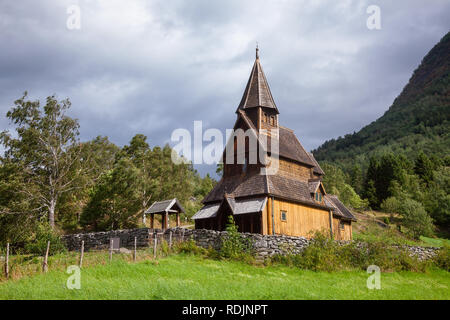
point(19, 214)
point(114, 201)
point(416, 219)
point(46, 150)
point(388, 171)
point(335, 183)
point(348, 196)
point(424, 168)
point(437, 197)
point(370, 191)
point(139, 152)
point(414, 216)
point(357, 178)
point(97, 157)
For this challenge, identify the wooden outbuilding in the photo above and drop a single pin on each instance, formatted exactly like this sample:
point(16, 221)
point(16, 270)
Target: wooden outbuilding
point(165, 209)
point(293, 201)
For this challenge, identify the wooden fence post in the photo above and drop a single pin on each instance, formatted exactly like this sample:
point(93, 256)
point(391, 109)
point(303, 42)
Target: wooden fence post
point(155, 245)
point(170, 239)
point(7, 261)
point(110, 249)
point(82, 253)
point(45, 264)
point(135, 245)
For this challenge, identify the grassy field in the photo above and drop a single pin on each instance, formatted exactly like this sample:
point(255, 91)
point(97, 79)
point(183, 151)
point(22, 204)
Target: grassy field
point(370, 227)
point(193, 277)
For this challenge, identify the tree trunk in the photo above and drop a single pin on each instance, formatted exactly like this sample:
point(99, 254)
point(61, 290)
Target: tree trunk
point(51, 213)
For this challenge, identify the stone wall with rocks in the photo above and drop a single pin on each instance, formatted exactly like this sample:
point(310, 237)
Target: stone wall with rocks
point(101, 240)
point(423, 253)
point(270, 245)
point(263, 245)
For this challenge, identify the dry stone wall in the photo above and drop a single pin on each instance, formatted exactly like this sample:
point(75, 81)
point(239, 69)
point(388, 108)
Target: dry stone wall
point(263, 245)
point(101, 240)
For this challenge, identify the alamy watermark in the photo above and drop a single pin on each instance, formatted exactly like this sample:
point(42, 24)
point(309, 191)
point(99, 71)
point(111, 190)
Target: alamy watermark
point(74, 281)
point(244, 147)
point(374, 280)
point(74, 19)
point(374, 20)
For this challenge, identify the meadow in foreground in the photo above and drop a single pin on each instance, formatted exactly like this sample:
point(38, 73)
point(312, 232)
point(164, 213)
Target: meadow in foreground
point(192, 277)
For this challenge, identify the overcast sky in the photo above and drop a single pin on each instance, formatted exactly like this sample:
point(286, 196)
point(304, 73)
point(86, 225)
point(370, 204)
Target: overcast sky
point(153, 66)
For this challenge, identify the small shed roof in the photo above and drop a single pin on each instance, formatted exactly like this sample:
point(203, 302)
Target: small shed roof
point(238, 206)
point(166, 205)
point(339, 208)
point(243, 206)
point(208, 211)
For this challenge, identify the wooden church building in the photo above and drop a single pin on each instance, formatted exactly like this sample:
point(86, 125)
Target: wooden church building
point(293, 201)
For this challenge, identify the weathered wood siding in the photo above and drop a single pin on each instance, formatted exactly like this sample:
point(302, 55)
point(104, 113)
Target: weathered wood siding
point(293, 170)
point(339, 233)
point(300, 220)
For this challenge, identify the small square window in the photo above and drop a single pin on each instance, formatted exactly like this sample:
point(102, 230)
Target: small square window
point(283, 215)
point(341, 225)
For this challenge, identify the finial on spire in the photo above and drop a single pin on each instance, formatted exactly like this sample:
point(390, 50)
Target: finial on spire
point(257, 50)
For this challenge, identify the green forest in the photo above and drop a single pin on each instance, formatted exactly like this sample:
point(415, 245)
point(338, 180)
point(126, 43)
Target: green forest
point(53, 183)
point(400, 163)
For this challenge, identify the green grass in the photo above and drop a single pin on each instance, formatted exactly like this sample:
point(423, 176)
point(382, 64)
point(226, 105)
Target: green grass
point(367, 229)
point(193, 277)
point(435, 242)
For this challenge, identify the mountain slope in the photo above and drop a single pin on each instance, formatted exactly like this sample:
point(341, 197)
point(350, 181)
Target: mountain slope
point(419, 118)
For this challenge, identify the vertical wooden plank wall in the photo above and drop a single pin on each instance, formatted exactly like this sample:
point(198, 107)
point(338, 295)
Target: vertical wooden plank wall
point(301, 220)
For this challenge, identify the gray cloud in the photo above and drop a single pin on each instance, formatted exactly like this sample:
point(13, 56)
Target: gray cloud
point(153, 66)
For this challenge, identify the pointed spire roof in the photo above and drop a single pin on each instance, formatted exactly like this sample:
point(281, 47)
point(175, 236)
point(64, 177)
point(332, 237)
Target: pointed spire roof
point(257, 92)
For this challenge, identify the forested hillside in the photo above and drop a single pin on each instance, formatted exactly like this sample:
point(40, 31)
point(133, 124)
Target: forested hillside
point(400, 162)
point(418, 120)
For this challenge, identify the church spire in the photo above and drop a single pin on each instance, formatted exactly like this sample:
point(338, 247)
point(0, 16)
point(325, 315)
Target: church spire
point(257, 92)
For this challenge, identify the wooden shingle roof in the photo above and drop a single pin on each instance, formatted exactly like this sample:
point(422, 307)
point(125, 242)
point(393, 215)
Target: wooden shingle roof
point(291, 148)
point(317, 168)
point(243, 206)
point(259, 185)
point(237, 206)
point(238, 186)
point(257, 92)
point(166, 205)
point(339, 208)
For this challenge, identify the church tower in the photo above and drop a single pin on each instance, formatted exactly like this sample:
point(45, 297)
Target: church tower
point(257, 101)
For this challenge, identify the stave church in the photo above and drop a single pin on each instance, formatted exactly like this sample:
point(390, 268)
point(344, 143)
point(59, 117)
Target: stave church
point(289, 201)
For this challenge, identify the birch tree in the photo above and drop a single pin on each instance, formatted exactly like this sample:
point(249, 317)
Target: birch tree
point(46, 147)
